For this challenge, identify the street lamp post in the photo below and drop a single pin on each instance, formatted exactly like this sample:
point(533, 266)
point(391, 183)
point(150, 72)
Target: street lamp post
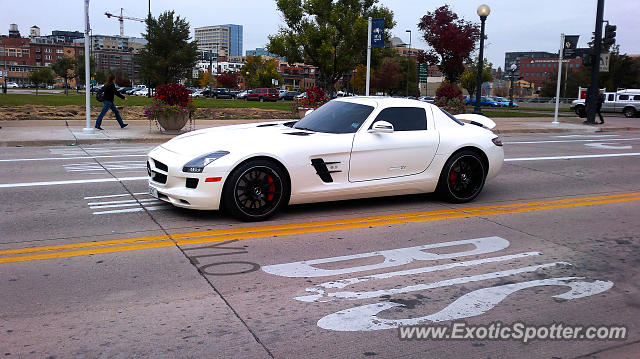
point(513, 74)
point(483, 11)
point(408, 62)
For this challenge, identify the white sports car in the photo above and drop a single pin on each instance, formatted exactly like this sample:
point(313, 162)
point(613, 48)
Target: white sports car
point(349, 148)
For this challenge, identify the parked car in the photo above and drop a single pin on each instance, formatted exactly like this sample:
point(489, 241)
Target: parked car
point(289, 95)
point(12, 85)
point(243, 94)
point(302, 95)
point(221, 93)
point(142, 92)
point(428, 99)
point(197, 94)
point(484, 101)
point(342, 150)
point(136, 89)
point(263, 94)
point(503, 102)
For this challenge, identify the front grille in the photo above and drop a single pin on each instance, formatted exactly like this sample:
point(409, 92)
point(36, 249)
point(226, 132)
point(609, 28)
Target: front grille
point(159, 177)
point(192, 182)
point(161, 166)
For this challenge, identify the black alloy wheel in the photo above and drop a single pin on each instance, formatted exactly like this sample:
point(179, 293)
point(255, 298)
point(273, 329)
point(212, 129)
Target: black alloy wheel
point(255, 191)
point(462, 177)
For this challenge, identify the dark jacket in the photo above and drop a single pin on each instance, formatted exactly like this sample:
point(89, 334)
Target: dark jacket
point(110, 91)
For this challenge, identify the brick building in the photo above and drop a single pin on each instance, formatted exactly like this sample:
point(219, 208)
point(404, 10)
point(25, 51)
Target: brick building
point(537, 70)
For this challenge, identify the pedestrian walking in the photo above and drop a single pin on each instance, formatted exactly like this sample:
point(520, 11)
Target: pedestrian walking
point(110, 91)
point(599, 105)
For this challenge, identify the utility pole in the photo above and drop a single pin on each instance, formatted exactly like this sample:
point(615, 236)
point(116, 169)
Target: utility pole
point(593, 91)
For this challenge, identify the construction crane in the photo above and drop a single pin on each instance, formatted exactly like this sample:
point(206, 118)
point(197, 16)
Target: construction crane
point(121, 18)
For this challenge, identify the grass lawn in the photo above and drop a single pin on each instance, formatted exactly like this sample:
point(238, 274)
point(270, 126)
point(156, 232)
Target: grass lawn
point(78, 99)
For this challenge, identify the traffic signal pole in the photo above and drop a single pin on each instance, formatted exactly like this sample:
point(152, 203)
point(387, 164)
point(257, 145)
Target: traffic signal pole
point(594, 92)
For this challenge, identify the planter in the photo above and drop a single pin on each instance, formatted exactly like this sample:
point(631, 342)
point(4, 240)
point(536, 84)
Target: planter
point(173, 121)
point(302, 111)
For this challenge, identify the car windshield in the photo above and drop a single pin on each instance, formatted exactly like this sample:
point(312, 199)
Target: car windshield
point(335, 117)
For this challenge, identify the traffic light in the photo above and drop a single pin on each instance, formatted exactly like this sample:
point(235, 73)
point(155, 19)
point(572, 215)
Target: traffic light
point(609, 36)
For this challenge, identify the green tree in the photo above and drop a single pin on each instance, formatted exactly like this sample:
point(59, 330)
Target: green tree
point(469, 78)
point(42, 75)
point(168, 54)
point(101, 76)
point(79, 69)
point(259, 72)
point(63, 67)
point(329, 34)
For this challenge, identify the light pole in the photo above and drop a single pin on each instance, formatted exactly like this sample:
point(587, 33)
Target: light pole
point(149, 27)
point(408, 62)
point(513, 74)
point(483, 11)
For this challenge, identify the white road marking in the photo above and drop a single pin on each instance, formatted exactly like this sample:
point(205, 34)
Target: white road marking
point(569, 141)
point(350, 281)
point(570, 157)
point(67, 158)
point(97, 150)
point(83, 181)
point(392, 258)
point(116, 195)
point(321, 296)
point(118, 202)
point(607, 146)
point(477, 302)
point(570, 136)
point(136, 203)
point(128, 210)
point(108, 166)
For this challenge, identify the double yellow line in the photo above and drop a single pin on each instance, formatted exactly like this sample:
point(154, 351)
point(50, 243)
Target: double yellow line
point(138, 243)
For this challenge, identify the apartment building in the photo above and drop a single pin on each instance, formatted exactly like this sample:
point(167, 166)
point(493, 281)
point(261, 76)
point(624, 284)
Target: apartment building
point(219, 38)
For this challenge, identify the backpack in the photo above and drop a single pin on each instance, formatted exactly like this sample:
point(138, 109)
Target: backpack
point(100, 94)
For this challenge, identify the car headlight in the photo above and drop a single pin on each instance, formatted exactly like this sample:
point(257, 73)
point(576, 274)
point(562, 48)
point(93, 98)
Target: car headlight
point(198, 164)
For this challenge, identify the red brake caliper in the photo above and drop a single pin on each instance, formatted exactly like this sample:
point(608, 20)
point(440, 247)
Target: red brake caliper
point(452, 177)
point(271, 189)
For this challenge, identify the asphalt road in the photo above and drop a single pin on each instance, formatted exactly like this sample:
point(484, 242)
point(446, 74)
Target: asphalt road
point(91, 266)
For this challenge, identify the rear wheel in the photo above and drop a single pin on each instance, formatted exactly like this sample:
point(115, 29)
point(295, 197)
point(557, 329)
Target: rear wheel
point(462, 177)
point(629, 112)
point(255, 191)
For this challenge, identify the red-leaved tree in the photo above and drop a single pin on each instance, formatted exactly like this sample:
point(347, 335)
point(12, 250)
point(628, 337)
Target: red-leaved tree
point(228, 80)
point(387, 77)
point(451, 39)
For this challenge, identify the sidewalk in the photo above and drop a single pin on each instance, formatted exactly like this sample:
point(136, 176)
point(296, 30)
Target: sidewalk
point(69, 132)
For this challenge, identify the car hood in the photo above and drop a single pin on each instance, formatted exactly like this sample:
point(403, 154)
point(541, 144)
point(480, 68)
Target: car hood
point(255, 137)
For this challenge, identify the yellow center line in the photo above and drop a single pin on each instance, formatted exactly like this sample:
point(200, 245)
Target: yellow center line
point(147, 242)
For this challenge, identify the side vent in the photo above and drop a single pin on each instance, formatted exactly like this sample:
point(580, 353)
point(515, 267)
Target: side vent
point(321, 169)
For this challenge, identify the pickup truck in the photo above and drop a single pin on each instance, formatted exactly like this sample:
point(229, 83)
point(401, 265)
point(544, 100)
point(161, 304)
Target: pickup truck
point(623, 101)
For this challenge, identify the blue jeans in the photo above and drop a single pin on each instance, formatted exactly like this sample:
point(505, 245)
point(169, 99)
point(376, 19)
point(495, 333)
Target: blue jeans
point(108, 105)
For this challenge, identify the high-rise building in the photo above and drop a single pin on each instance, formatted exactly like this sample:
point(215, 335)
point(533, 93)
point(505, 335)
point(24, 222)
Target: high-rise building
point(225, 39)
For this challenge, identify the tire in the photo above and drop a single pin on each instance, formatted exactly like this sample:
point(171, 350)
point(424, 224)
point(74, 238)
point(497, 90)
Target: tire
point(580, 111)
point(629, 112)
point(261, 99)
point(462, 177)
point(255, 190)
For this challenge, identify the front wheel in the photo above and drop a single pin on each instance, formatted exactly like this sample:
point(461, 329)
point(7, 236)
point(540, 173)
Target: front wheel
point(255, 191)
point(580, 111)
point(629, 112)
point(462, 177)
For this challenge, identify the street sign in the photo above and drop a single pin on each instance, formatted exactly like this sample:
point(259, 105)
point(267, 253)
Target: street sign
point(423, 72)
point(274, 82)
point(604, 62)
point(195, 73)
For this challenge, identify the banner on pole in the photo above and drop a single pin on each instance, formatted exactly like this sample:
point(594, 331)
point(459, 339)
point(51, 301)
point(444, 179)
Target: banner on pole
point(377, 32)
point(570, 45)
point(604, 62)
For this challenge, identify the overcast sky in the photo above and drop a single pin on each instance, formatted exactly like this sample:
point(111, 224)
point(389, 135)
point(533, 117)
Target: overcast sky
point(512, 25)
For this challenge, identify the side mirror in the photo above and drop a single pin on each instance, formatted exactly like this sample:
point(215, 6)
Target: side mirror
point(381, 127)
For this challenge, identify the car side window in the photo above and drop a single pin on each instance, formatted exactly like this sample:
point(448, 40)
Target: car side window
point(404, 118)
point(623, 97)
point(611, 97)
point(636, 98)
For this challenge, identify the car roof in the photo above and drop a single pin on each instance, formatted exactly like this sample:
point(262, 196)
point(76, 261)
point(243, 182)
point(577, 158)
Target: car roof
point(384, 101)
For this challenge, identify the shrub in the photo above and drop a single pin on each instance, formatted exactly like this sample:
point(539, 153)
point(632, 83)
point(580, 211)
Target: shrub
point(171, 98)
point(449, 98)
